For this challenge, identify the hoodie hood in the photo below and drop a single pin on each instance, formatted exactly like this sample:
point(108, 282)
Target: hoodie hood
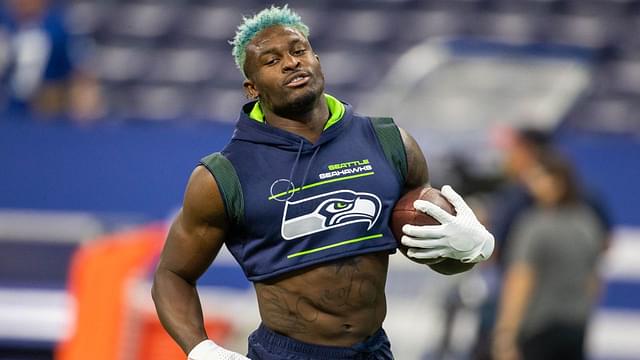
point(256, 131)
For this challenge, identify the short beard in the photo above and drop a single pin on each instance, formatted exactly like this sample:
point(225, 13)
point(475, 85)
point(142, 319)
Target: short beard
point(303, 104)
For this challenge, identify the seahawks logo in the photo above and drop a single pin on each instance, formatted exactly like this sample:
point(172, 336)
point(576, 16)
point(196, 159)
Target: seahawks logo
point(328, 211)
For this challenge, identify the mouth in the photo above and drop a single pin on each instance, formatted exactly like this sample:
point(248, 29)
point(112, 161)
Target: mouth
point(297, 80)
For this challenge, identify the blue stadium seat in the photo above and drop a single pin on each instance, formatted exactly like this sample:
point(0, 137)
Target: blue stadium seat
point(86, 17)
point(537, 7)
point(217, 103)
point(628, 40)
point(609, 113)
point(182, 66)
point(509, 27)
point(586, 31)
point(418, 26)
point(227, 74)
point(601, 8)
point(157, 102)
point(213, 25)
point(457, 5)
point(345, 68)
point(177, 45)
point(143, 20)
point(363, 28)
point(622, 77)
point(116, 63)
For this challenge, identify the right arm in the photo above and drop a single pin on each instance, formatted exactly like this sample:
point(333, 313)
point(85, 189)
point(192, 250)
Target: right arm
point(194, 240)
point(417, 176)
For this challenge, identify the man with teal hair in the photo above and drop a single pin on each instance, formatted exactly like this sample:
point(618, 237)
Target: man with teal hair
point(302, 196)
point(250, 28)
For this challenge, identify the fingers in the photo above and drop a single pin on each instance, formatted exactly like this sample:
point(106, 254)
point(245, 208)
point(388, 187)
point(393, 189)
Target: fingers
point(426, 253)
point(425, 231)
point(454, 198)
point(433, 210)
point(421, 243)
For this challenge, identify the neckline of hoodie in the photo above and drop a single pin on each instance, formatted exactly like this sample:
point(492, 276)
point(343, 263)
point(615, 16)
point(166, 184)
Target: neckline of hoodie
point(336, 111)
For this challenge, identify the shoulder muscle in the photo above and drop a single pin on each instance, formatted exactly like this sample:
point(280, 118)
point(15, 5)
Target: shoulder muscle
point(417, 170)
point(199, 230)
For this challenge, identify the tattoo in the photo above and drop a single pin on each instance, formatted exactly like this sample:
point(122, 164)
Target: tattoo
point(368, 292)
point(336, 297)
point(344, 287)
point(365, 293)
point(278, 313)
point(350, 265)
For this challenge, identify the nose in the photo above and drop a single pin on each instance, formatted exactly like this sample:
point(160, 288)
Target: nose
point(290, 62)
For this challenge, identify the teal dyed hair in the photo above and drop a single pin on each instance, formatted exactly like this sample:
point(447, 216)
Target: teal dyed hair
point(251, 26)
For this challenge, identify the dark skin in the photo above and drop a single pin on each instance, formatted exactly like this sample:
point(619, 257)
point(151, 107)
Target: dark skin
point(338, 303)
point(275, 57)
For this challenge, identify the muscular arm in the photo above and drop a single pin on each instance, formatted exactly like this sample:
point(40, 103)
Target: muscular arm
point(417, 170)
point(195, 237)
point(418, 175)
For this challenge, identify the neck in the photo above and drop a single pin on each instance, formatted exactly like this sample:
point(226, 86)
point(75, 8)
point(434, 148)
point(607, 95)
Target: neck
point(308, 124)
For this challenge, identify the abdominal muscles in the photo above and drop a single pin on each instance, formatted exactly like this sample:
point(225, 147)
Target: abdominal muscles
point(339, 303)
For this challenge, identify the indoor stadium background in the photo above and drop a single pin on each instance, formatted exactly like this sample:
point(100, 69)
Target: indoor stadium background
point(86, 191)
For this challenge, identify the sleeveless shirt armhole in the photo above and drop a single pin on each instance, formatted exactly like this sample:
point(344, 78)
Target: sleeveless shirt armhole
point(229, 185)
point(392, 145)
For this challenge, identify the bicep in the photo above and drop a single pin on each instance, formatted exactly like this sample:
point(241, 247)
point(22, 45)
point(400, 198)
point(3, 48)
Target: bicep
point(417, 170)
point(199, 230)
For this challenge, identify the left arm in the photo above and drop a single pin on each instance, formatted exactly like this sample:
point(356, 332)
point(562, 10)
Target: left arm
point(461, 239)
point(417, 170)
point(527, 251)
point(518, 286)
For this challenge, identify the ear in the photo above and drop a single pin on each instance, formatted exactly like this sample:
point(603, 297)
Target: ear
point(250, 90)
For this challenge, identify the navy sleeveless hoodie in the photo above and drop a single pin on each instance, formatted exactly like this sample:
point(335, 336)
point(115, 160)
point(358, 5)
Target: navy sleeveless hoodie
point(304, 203)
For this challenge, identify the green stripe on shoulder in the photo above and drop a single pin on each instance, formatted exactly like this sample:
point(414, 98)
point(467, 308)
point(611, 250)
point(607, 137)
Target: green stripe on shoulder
point(389, 136)
point(228, 184)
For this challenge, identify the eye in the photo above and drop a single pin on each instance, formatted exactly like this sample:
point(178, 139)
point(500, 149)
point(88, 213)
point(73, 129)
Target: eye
point(299, 52)
point(271, 61)
point(339, 206)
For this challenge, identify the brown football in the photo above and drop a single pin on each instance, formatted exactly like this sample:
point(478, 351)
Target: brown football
point(404, 213)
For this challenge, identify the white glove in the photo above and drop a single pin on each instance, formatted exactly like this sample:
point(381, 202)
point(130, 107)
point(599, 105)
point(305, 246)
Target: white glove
point(208, 350)
point(460, 237)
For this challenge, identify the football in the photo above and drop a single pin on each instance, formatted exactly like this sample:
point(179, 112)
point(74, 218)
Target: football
point(404, 213)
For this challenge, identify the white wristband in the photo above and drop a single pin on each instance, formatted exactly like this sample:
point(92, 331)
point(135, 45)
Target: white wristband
point(208, 350)
point(199, 351)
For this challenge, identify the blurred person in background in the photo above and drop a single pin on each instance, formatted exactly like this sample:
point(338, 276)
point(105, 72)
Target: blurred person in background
point(551, 283)
point(39, 70)
point(523, 148)
point(312, 237)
